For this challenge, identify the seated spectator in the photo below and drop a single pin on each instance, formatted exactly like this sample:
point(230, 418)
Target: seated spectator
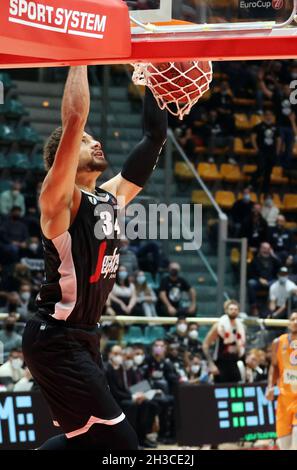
point(250, 369)
point(177, 361)
point(269, 211)
point(262, 273)
point(27, 304)
point(291, 263)
point(255, 228)
point(31, 219)
point(267, 143)
point(240, 211)
point(170, 295)
point(10, 339)
point(215, 136)
point(229, 335)
point(12, 198)
point(123, 295)
point(12, 370)
point(197, 370)
point(151, 257)
point(187, 141)
point(33, 249)
point(140, 411)
point(145, 297)
point(13, 235)
point(25, 384)
point(128, 257)
point(281, 239)
point(194, 343)
point(279, 294)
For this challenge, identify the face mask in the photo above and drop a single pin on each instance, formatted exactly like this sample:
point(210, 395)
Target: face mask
point(138, 359)
point(140, 279)
point(117, 359)
point(195, 368)
point(193, 334)
point(182, 328)
point(16, 363)
point(283, 279)
point(33, 246)
point(129, 363)
point(158, 350)
point(268, 202)
point(246, 197)
point(173, 272)
point(25, 296)
point(123, 275)
point(9, 327)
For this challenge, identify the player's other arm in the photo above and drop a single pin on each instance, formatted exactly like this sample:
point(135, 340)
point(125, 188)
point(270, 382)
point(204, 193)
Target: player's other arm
point(210, 339)
point(273, 371)
point(58, 189)
point(143, 158)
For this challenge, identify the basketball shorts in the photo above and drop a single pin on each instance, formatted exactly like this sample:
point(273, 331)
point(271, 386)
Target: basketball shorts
point(286, 415)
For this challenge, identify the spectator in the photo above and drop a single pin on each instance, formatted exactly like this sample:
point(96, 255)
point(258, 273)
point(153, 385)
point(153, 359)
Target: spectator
point(279, 294)
point(26, 303)
point(162, 376)
point(25, 384)
point(285, 118)
point(13, 235)
point(145, 297)
point(171, 289)
point(12, 370)
point(255, 228)
point(281, 239)
point(177, 360)
point(194, 343)
point(9, 337)
point(12, 198)
point(33, 249)
point(197, 371)
point(266, 142)
point(140, 411)
point(241, 210)
point(128, 257)
point(31, 219)
point(250, 370)
point(269, 211)
point(123, 295)
point(216, 136)
point(263, 272)
point(229, 335)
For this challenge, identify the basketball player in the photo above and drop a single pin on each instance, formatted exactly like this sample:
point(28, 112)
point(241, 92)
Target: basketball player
point(283, 371)
point(61, 343)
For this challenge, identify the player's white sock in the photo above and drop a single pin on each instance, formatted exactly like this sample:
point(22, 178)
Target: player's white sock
point(285, 442)
point(294, 438)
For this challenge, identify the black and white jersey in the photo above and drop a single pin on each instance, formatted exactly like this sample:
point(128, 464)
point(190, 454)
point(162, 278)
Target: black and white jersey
point(81, 263)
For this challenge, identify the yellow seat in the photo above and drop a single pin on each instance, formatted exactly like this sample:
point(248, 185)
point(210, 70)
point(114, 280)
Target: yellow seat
point(235, 256)
point(244, 102)
point(277, 176)
point(182, 171)
point(242, 122)
point(208, 171)
point(225, 199)
point(240, 149)
point(290, 203)
point(295, 150)
point(231, 173)
point(200, 197)
point(291, 225)
point(248, 170)
point(256, 119)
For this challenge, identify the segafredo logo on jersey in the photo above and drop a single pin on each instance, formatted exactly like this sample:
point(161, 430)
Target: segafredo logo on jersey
point(110, 264)
point(62, 20)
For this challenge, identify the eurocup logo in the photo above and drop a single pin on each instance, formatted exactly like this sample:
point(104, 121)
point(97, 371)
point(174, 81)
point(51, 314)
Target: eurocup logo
point(293, 358)
point(277, 4)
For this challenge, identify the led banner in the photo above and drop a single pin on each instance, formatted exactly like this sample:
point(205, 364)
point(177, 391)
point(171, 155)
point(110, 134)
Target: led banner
point(65, 29)
point(224, 413)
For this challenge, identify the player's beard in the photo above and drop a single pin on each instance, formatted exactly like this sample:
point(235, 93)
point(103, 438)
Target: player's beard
point(95, 166)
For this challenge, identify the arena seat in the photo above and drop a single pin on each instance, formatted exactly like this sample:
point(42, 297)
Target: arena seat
point(7, 134)
point(290, 203)
point(225, 199)
point(242, 122)
point(182, 171)
point(248, 170)
point(37, 162)
point(277, 176)
point(28, 136)
point(209, 172)
point(240, 149)
point(134, 335)
point(3, 161)
point(200, 197)
point(231, 173)
point(13, 109)
point(153, 332)
point(6, 80)
point(19, 160)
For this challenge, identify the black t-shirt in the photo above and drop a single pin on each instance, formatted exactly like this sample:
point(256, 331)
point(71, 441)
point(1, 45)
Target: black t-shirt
point(283, 109)
point(174, 289)
point(267, 135)
point(280, 239)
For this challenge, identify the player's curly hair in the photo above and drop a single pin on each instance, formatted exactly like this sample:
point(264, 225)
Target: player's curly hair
point(50, 147)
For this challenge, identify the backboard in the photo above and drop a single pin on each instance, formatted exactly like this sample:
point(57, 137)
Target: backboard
point(214, 29)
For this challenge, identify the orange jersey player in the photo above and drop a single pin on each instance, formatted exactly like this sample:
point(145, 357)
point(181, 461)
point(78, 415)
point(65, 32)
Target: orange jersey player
point(283, 372)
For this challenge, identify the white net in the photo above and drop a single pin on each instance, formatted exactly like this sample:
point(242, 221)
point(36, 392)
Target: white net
point(176, 86)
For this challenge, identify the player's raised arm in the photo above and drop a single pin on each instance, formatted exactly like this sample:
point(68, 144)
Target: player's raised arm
point(143, 158)
point(58, 189)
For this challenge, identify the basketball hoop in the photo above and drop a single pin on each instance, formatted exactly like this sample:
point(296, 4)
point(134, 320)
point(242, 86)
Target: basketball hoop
point(177, 86)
